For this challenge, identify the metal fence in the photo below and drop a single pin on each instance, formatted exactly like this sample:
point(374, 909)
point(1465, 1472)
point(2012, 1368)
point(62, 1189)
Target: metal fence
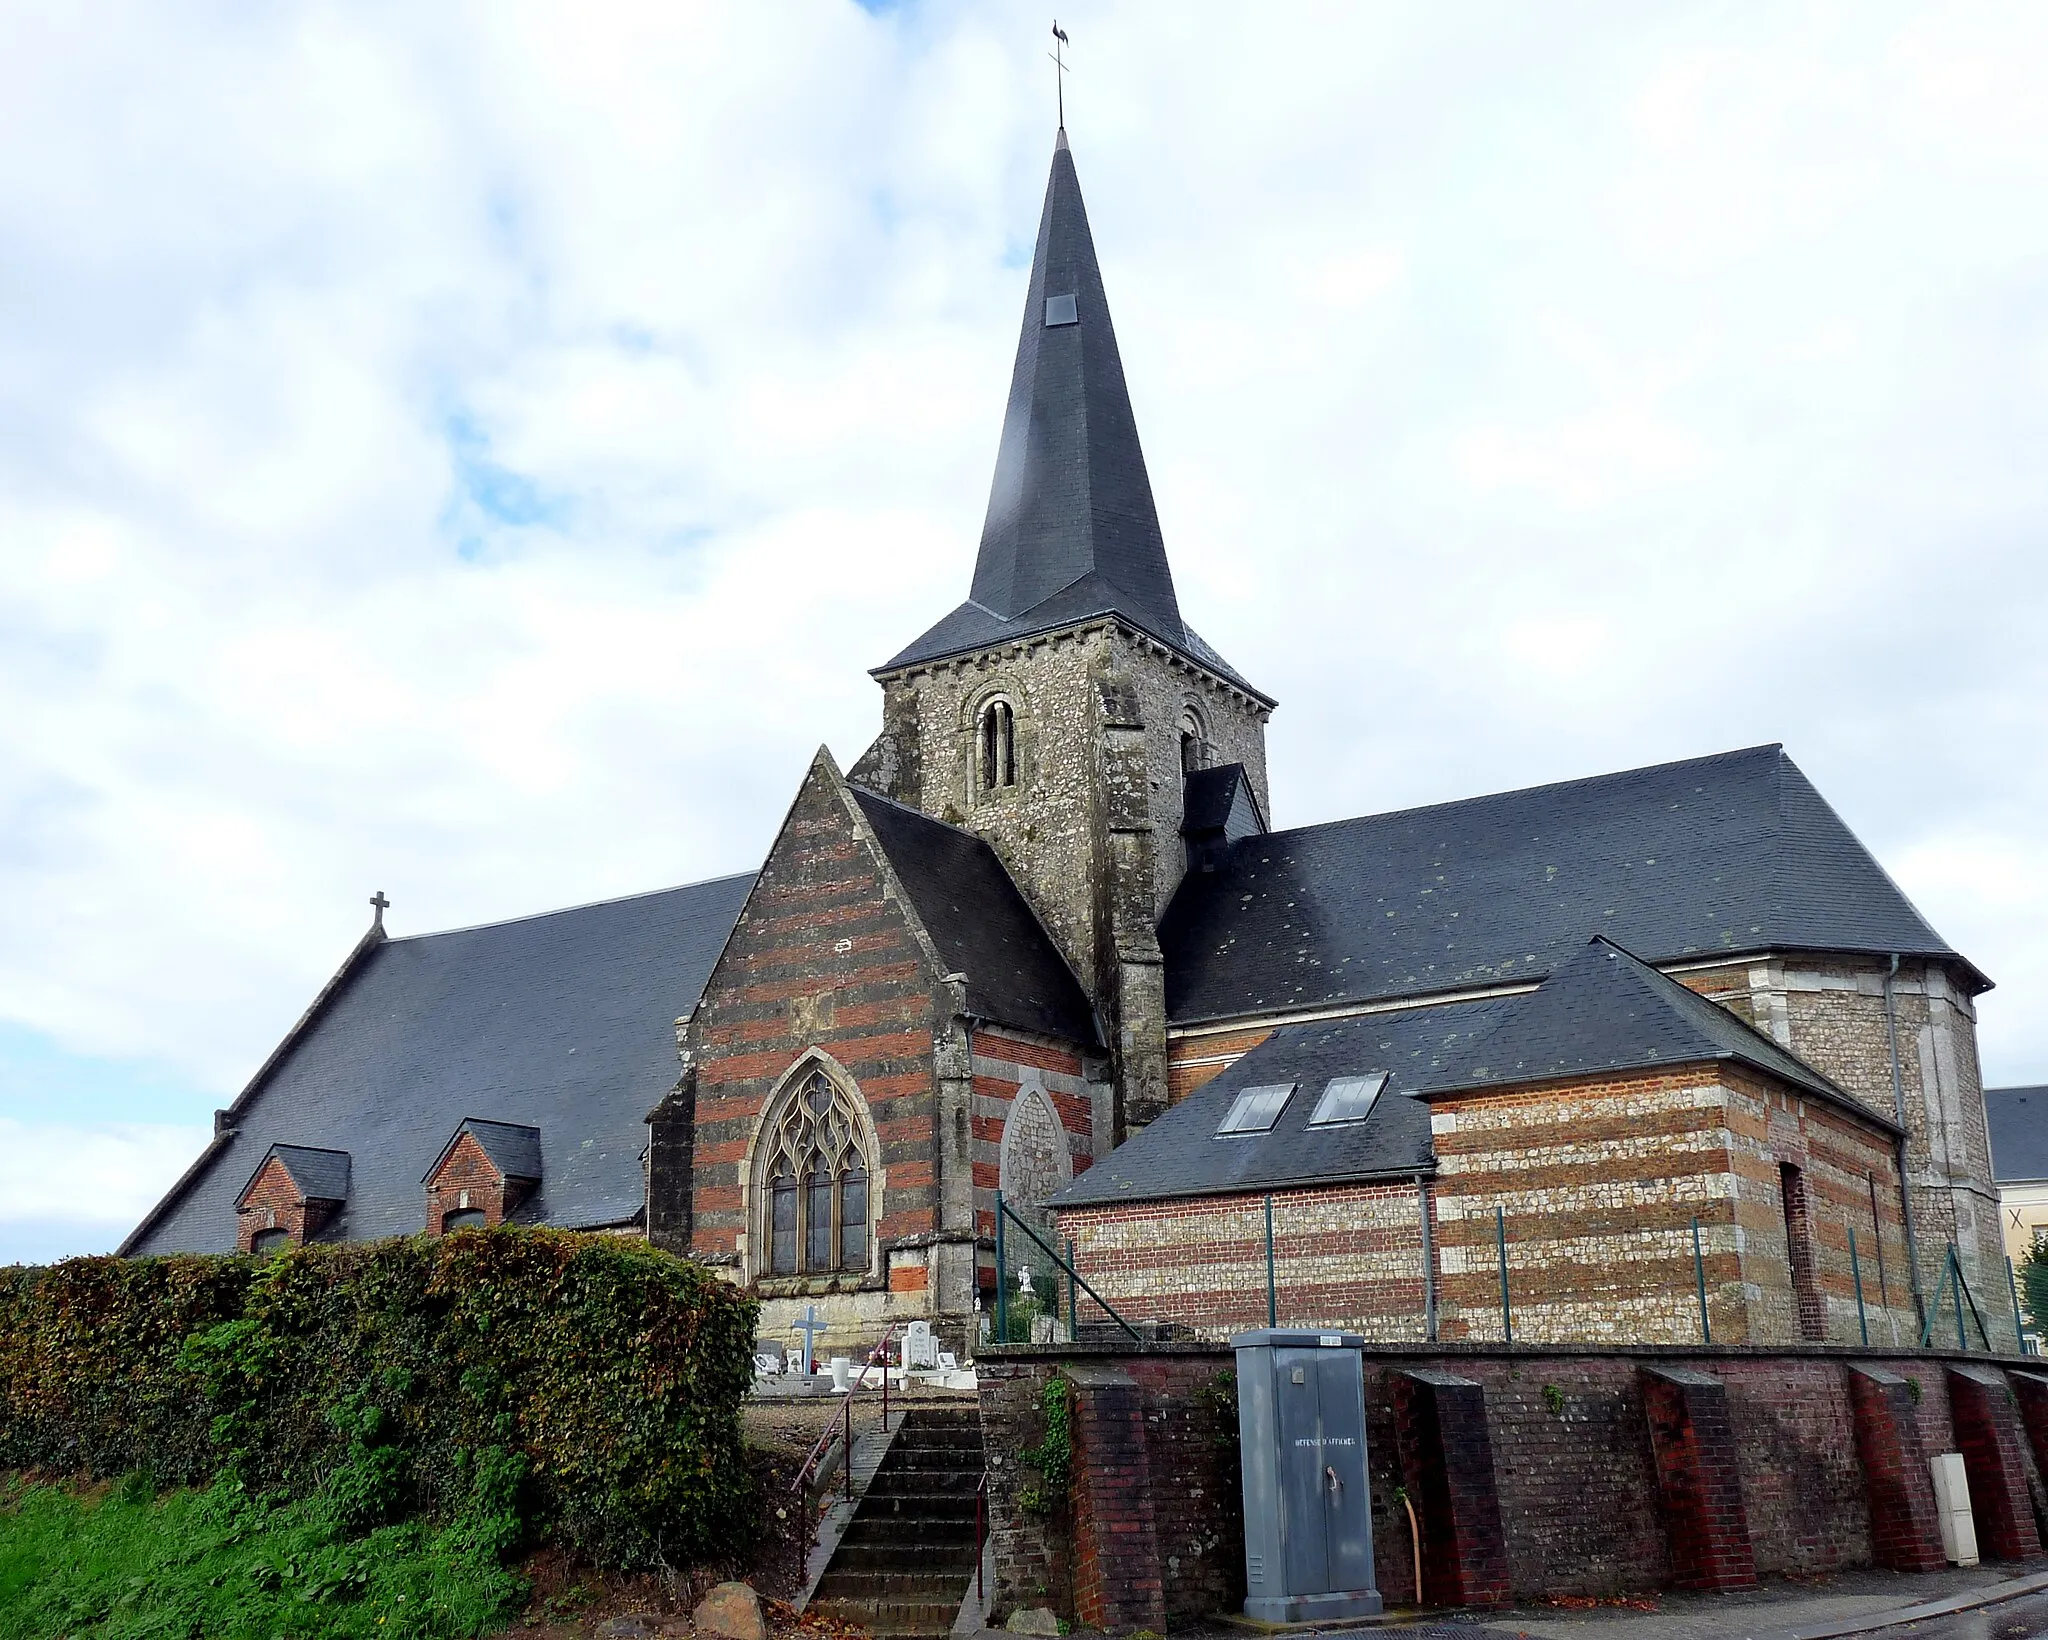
point(1043, 1291)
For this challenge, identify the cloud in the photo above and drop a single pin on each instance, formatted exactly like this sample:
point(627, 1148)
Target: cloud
point(476, 452)
point(97, 1178)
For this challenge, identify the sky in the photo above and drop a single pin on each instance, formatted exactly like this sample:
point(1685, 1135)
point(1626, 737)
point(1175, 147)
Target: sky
point(477, 451)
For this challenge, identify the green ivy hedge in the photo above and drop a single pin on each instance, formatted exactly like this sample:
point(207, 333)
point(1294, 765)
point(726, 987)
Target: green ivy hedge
point(595, 1380)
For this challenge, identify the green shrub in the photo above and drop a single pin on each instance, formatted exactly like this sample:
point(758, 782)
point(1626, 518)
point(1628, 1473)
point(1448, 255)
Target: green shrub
point(585, 1388)
point(2034, 1286)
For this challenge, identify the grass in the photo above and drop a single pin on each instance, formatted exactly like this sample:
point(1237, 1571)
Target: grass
point(127, 1564)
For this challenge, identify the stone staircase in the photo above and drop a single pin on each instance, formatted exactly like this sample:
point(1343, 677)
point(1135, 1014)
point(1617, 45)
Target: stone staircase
point(907, 1555)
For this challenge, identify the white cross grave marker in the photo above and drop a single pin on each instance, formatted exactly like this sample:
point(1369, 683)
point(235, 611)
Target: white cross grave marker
point(810, 1325)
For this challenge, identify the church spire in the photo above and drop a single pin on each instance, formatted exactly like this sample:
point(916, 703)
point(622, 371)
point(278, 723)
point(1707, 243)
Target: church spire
point(1071, 499)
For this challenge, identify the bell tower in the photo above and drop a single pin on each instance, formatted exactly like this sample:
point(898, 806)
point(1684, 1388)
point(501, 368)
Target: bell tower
point(1059, 711)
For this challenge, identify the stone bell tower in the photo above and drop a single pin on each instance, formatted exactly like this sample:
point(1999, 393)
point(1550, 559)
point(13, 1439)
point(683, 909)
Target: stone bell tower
point(1059, 710)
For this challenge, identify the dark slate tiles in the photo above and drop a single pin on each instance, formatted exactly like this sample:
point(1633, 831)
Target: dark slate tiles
point(2019, 1133)
point(1725, 854)
point(1071, 529)
point(321, 1175)
point(1605, 1011)
point(1180, 1154)
point(514, 1150)
point(981, 923)
point(559, 1022)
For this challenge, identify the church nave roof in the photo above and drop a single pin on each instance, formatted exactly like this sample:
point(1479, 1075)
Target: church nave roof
point(1733, 853)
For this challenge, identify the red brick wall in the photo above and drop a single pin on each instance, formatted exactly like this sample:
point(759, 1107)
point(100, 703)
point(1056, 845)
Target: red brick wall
point(467, 1169)
point(272, 1203)
point(1699, 1479)
point(1193, 1061)
point(1119, 1572)
point(1572, 1458)
point(1000, 1059)
point(821, 957)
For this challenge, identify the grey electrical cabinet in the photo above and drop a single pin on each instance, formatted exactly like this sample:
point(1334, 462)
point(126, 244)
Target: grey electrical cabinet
point(1307, 1514)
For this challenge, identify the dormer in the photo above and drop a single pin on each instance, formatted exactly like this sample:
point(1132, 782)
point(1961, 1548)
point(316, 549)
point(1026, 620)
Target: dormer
point(485, 1171)
point(1219, 807)
point(292, 1196)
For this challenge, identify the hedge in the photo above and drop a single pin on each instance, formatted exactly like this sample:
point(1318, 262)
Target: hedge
point(596, 1378)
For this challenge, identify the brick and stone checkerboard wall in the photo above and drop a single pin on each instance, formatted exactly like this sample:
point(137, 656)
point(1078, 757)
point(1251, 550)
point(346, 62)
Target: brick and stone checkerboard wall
point(1600, 1180)
point(1348, 1257)
point(1574, 1466)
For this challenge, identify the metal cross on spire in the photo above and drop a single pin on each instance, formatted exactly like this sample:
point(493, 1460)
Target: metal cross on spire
point(1060, 65)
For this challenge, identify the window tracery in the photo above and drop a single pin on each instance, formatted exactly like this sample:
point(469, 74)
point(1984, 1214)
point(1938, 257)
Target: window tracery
point(814, 1176)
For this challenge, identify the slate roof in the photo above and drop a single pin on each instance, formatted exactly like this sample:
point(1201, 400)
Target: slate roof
point(1220, 800)
point(321, 1175)
point(1605, 1010)
point(981, 924)
point(1602, 1011)
point(559, 1022)
point(514, 1150)
point(2019, 1133)
point(1071, 529)
point(1725, 854)
point(1181, 1155)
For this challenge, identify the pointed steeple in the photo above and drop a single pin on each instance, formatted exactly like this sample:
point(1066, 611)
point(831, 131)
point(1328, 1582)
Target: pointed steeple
point(1071, 530)
point(1071, 497)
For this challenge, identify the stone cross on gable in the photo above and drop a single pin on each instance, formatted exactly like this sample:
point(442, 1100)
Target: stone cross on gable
point(810, 1324)
point(378, 906)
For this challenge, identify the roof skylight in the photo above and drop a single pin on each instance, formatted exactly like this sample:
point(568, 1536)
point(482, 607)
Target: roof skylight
point(1256, 1109)
point(1347, 1099)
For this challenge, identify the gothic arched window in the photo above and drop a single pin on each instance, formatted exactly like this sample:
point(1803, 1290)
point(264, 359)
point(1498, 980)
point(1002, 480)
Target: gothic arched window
point(813, 1182)
point(998, 746)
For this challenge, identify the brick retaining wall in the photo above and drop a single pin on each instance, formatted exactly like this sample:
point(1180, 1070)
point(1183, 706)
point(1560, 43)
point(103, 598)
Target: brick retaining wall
point(1572, 1458)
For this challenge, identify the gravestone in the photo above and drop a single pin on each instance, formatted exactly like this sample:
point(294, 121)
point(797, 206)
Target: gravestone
point(920, 1348)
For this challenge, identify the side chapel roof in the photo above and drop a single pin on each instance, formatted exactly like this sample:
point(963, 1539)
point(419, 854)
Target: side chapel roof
point(559, 1022)
point(981, 923)
point(1601, 1012)
point(1606, 1010)
point(1716, 855)
point(1071, 530)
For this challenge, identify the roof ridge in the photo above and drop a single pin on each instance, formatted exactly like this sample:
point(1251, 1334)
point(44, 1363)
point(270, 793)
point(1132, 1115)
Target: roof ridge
point(1686, 999)
point(565, 910)
point(1524, 791)
point(918, 813)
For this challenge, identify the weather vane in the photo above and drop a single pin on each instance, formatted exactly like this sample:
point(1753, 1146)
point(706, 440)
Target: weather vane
point(1060, 64)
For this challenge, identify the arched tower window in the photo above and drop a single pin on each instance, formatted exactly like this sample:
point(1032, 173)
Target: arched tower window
point(812, 1182)
point(1194, 748)
point(998, 743)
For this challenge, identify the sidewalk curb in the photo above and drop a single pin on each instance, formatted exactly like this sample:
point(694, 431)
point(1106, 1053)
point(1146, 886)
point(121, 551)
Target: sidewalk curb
point(2011, 1589)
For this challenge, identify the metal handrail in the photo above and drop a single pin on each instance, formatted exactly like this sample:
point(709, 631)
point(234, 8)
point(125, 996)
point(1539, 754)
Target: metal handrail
point(980, 1539)
point(1004, 1211)
point(824, 1445)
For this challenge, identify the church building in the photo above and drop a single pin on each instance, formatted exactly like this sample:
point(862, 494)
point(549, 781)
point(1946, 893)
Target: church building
point(1634, 1047)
